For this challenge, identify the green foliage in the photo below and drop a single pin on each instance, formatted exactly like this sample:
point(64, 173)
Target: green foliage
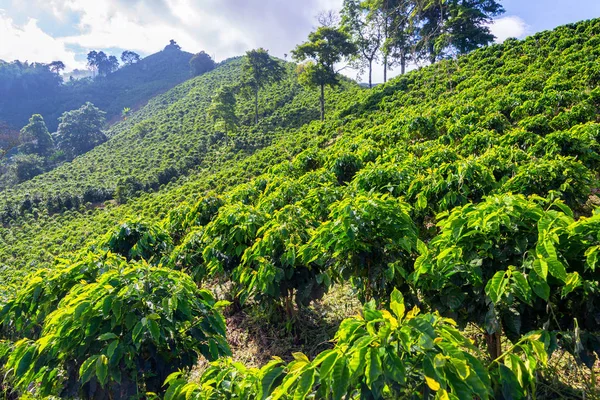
point(35, 89)
point(455, 183)
point(222, 109)
point(24, 312)
point(201, 63)
point(25, 167)
point(151, 148)
point(384, 354)
point(503, 263)
point(260, 70)
point(136, 240)
point(325, 47)
point(34, 136)
point(124, 333)
point(368, 240)
point(80, 131)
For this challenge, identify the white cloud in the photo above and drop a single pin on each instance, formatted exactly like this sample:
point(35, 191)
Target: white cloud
point(509, 27)
point(29, 42)
point(222, 27)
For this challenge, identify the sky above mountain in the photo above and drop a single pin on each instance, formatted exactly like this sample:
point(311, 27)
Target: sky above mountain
point(48, 30)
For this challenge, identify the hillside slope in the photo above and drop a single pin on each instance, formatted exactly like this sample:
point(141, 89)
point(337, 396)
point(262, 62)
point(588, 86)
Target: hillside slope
point(161, 142)
point(468, 185)
point(131, 86)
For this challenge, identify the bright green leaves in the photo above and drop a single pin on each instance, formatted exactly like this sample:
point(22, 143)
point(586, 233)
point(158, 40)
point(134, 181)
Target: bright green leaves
point(511, 281)
point(397, 304)
point(373, 354)
point(521, 287)
point(548, 260)
point(136, 240)
point(516, 369)
point(102, 369)
point(123, 320)
point(522, 252)
point(363, 236)
point(496, 287)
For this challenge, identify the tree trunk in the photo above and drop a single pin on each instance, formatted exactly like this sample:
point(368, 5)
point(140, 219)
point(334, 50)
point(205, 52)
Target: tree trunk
point(402, 63)
point(322, 102)
point(385, 68)
point(494, 344)
point(370, 73)
point(256, 107)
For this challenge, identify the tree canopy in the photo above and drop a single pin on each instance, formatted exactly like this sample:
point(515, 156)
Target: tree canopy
point(129, 57)
point(259, 70)
point(325, 47)
point(101, 63)
point(35, 138)
point(201, 63)
point(222, 109)
point(80, 130)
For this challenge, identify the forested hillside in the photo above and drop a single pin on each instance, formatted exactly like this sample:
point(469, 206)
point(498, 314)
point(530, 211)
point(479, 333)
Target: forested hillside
point(457, 201)
point(33, 89)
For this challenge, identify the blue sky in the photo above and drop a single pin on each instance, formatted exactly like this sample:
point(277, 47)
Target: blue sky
point(47, 30)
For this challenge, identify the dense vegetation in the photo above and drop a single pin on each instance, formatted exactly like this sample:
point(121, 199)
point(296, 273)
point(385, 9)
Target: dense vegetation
point(27, 89)
point(459, 196)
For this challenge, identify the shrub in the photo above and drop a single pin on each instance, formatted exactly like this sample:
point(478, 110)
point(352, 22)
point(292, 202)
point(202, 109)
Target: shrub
point(121, 335)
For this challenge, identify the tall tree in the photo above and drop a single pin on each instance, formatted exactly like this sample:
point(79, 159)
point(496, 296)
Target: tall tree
point(129, 57)
point(260, 70)
point(35, 138)
point(101, 63)
point(57, 67)
point(92, 62)
point(108, 65)
point(400, 32)
point(365, 27)
point(222, 109)
point(456, 26)
point(201, 63)
point(80, 130)
point(325, 47)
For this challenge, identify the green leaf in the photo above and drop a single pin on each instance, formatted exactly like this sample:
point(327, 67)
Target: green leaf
point(305, 384)
point(111, 348)
point(102, 369)
point(431, 377)
point(154, 330)
point(511, 388)
point(267, 381)
point(80, 309)
point(397, 304)
point(541, 268)
point(520, 287)
point(496, 287)
point(116, 308)
point(87, 368)
point(373, 367)
point(327, 364)
point(540, 286)
point(137, 332)
point(461, 367)
point(25, 361)
point(572, 282)
point(591, 255)
point(107, 336)
point(340, 378)
point(540, 351)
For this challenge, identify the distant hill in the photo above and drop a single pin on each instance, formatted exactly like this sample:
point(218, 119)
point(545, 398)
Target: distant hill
point(131, 86)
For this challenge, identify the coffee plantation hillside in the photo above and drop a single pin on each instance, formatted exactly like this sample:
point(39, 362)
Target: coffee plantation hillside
point(460, 197)
point(129, 87)
point(166, 139)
